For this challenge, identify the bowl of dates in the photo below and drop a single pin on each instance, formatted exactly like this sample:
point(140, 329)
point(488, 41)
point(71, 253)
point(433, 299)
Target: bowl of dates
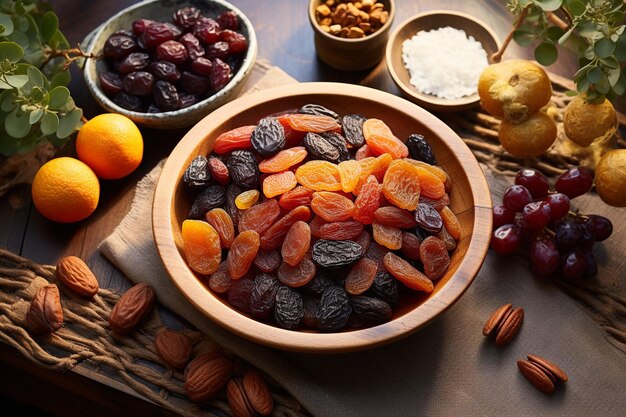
point(322, 217)
point(168, 64)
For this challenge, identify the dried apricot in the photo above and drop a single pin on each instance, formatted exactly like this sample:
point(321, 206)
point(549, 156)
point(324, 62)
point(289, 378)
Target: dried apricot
point(283, 160)
point(242, 253)
point(349, 174)
point(363, 152)
point(201, 245)
point(361, 276)
point(332, 207)
point(260, 217)
point(434, 257)
point(407, 274)
point(395, 217)
point(410, 246)
point(277, 184)
point(274, 236)
point(297, 275)
point(451, 222)
point(389, 237)
point(380, 139)
point(223, 224)
point(367, 201)
point(219, 171)
point(380, 166)
point(267, 261)
point(299, 196)
point(433, 169)
point(238, 138)
point(297, 243)
point(346, 230)
point(247, 199)
point(431, 185)
point(319, 176)
point(401, 185)
point(309, 122)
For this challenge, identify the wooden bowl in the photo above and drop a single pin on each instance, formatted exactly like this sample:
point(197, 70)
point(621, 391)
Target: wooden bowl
point(351, 54)
point(162, 11)
point(470, 200)
point(429, 21)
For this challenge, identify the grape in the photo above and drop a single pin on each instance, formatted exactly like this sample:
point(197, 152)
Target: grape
point(591, 269)
point(567, 234)
point(573, 264)
point(586, 234)
point(506, 239)
point(516, 197)
point(534, 181)
point(502, 215)
point(559, 205)
point(601, 227)
point(574, 182)
point(537, 214)
point(544, 257)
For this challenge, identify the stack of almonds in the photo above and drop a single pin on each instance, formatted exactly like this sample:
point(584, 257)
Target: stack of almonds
point(351, 19)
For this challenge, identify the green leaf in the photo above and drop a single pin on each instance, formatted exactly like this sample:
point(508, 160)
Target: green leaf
point(595, 74)
point(17, 124)
point(620, 87)
point(603, 86)
point(566, 35)
point(49, 123)
point(583, 85)
point(10, 51)
point(35, 77)
point(61, 78)
point(620, 48)
point(546, 53)
point(7, 101)
point(554, 33)
point(613, 75)
point(604, 48)
point(609, 62)
point(69, 123)
point(548, 5)
point(571, 93)
point(590, 53)
point(6, 25)
point(16, 81)
point(523, 38)
point(58, 97)
point(35, 116)
point(576, 8)
point(48, 26)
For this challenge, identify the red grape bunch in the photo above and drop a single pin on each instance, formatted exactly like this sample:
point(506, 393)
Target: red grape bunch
point(561, 242)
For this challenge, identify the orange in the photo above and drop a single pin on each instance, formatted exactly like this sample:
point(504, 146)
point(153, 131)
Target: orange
point(585, 123)
point(514, 89)
point(528, 139)
point(65, 190)
point(111, 144)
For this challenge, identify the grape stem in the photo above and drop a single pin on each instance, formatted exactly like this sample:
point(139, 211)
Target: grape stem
point(497, 57)
point(70, 55)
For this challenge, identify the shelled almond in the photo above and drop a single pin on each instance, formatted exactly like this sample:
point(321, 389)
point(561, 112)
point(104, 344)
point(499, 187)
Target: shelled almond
point(351, 19)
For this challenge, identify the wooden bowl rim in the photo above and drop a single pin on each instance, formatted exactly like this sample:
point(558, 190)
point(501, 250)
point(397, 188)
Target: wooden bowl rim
point(227, 317)
point(427, 100)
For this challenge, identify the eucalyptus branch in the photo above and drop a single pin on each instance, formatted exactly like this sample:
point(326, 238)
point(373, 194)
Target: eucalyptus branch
point(497, 57)
point(70, 55)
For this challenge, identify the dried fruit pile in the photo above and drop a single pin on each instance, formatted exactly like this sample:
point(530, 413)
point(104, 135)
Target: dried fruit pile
point(560, 241)
point(161, 66)
point(312, 220)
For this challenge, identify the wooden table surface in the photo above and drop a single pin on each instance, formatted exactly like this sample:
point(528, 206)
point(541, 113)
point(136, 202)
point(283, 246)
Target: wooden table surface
point(286, 40)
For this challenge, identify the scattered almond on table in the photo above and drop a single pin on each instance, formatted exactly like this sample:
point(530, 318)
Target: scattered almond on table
point(351, 19)
point(504, 323)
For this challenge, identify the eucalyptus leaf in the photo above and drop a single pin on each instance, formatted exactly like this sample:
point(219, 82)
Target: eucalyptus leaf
point(48, 26)
point(554, 33)
point(566, 35)
point(6, 25)
point(35, 116)
point(603, 86)
point(613, 75)
point(11, 52)
point(570, 93)
point(583, 85)
point(69, 123)
point(548, 5)
point(17, 81)
point(546, 53)
point(595, 74)
point(7, 101)
point(17, 125)
point(576, 8)
point(19, 38)
point(620, 86)
point(49, 123)
point(609, 62)
point(61, 78)
point(35, 77)
point(58, 98)
point(620, 48)
point(604, 48)
point(523, 38)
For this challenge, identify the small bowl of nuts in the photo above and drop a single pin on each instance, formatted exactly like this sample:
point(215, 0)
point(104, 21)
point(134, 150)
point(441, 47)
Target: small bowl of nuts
point(168, 64)
point(351, 36)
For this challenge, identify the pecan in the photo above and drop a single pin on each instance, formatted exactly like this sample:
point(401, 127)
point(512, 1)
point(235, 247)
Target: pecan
point(504, 323)
point(250, 396)
point(45, 314)
point(557, 372)
point(174, 348)
point(206, 375)
point(76, 275)
point(542, 373)
point(131, 309)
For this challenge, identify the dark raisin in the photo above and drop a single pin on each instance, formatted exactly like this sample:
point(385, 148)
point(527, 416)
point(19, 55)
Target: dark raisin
point(220, 74)
point(217, 50)
point(334, 309)
point(289, 308)
point(118, 46)
point(352, 128)
point(421, 233)
point(267, 261)
point(165, 71)
point(202, 66)
point(318, 110)
point(336, 253)
point(153, 109)
point(173, 52)
point(231, 208)
point(207, 30)
point(428, 218)
point(165, 96)
point(384, 287)
point(128, 102)
point(228, 20)
point(133, 62)
point(187, 100)
point(138, 83)
point(237, 43)
point(193, 46)
point(110, 83)
point(240, 294)
point(207, 199)
point(244, 169)
point(186, 17)
point(339, 142)
point(140, 25)
point(263, 296)
point(370, 310)
point(197, 175)
point(268, 137)
point(311, 307)
point(320, 148)
point(319, 283)
point(159, 32)
point(420, 150)
point(194, 84)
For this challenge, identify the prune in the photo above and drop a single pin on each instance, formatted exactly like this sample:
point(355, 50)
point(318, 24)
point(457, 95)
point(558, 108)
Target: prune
point(220, 280)
point(172, 51)
point(202, 66)
point(339, 142)
point(129, 102)
point(193, 46)
point(138, 83)
point(370, 310)
point(111, 83)
point(311, 307)
point(237, 42)
point(336, 253)
point(289, 308)
point(334, 309)
point(320, 148)
point(187, 100)
point(318, 110)
point(268, 137)
point(319, 283)
point(207, 199)
point(186, 17)
point(194, 84)
point(228, 20)
point(263, 296)
point(240, 294)
point(243, 169)
point(159, 32)
point(207, 30)
point(164, 70)
point(153, 109)
point(118, 46)
point(232, 192)
point(384, 287)
point(220, 74)
point(140, 25)
point(133, 62)
point(267, 261)
point(165, 96)
point(219, 50)
point(197, 174)
point(428, 218)
point(352, 128)
point(420, 150)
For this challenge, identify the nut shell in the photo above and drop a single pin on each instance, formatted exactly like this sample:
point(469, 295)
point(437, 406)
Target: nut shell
point(132, 308)
point(174, 348)
point(45, 314)
point(74, 273)
point(258, 393)
point(206, 377)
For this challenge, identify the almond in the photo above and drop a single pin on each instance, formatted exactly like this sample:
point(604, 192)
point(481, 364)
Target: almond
point(495, 319)
point(237, 399)
point(45, 314)
point(74, 273)
point(258, 393)
point(536, 376)
point(132, 308)
point(174, 348)
point(510, 326)
point(206, 377)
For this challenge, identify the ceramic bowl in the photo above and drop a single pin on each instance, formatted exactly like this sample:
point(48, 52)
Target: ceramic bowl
point(162, 11)
point(429, 21)
point(470, 200)
point(351, 54)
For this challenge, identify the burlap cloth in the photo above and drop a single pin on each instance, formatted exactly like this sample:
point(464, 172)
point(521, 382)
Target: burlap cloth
point(447, 368)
